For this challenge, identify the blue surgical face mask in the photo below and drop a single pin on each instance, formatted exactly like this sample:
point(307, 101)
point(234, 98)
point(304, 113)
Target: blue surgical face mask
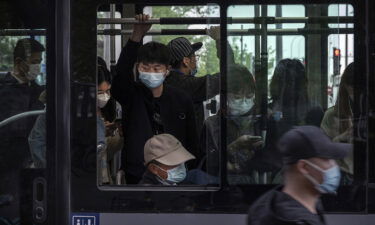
point(151, 80)
point(177, 174)
point(194, 72)
point(240, 106)
point(331, 179)
point(277, 115)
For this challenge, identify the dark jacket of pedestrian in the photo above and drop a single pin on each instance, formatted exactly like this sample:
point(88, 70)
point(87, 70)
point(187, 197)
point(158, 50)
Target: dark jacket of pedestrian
point(278, 208)
point(138, 108)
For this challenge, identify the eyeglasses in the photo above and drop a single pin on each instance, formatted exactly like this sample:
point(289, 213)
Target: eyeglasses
point(104, 92)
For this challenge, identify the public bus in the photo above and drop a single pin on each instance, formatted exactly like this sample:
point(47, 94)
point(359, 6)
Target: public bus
point(325, 36)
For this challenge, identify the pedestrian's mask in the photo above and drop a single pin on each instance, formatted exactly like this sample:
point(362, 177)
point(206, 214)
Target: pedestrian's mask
point(331, 179)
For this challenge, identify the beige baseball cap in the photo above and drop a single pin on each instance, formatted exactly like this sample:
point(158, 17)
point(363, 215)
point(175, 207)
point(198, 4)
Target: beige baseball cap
point(166, 149)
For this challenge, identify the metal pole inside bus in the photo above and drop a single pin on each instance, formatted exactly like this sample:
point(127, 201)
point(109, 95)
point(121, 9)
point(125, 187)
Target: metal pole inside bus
point(231, 20)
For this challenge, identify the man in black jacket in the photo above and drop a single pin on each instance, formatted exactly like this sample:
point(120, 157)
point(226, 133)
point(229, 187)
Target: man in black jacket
point(184, 67)
point(149, 107)
point(19, 93)
point(310, 170)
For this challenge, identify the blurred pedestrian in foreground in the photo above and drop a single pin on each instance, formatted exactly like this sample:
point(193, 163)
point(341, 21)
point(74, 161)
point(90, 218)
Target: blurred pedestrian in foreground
point(310, 170)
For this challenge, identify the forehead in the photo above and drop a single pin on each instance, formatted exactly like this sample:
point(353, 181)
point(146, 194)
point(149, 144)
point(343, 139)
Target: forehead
point(104, 86)
point(323, 162)
point(36, 56)
point(152, 64)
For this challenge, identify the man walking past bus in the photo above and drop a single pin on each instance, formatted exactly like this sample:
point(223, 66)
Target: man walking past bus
point(310, 170)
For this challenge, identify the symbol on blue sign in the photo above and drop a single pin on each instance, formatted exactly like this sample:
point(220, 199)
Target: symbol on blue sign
point(85, 220)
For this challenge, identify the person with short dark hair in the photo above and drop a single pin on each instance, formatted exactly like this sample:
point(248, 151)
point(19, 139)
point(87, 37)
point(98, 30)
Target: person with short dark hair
point(149, 106)
point(184, 68)
point(165, 159)
point(310, 170)
point(19, 94)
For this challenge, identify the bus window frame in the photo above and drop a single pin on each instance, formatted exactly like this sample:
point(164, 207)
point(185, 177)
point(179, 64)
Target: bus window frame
point(254, 191)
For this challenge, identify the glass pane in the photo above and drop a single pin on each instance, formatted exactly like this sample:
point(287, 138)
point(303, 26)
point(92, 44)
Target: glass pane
point(195, 81)
point(22, 121)
point(283, 84)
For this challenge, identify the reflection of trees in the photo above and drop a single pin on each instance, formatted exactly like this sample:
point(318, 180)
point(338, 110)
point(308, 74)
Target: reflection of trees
point(208, 63)
point(7, 45)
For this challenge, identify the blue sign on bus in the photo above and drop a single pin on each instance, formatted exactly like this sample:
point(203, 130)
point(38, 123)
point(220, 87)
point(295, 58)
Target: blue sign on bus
point(85, 219)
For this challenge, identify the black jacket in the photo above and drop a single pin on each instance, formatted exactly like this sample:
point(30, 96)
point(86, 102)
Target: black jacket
point(199, 88)
point(278, 208)
point(176, 111)
point(18, 98)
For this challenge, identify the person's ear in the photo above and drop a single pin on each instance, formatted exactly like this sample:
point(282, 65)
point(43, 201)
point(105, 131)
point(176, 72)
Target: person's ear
point(168, 71)
point(186, 61)
point(18, 61)
point(153, 169)
point(301, 167)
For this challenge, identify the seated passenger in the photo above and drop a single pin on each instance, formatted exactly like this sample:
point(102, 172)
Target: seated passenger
point(338, 120)
point(241, 128)
point(149, 106)
point(165, 159)
point(184, 68)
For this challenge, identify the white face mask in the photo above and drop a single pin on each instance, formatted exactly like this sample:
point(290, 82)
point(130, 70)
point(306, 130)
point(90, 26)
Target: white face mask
point(103, 99)
point(34, 71)
point(238, 107)
point(151, 80)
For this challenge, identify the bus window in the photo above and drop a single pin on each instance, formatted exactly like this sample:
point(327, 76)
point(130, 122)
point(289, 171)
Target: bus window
point(115, 166)
point(279, 80)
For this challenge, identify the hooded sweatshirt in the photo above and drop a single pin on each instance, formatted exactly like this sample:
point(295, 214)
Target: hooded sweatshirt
point(278, 208)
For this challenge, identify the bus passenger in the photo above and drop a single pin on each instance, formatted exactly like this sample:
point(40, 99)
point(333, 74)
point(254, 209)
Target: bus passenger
point(184, 68)
point(338, 120)
point(310, 170)
point(165, 159)
point(241, 128)
point(149, 107)
point(37, 136)
point(290, 106)
point(20, 94)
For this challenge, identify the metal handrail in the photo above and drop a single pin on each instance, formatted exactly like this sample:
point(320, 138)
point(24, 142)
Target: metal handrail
point(231, 20)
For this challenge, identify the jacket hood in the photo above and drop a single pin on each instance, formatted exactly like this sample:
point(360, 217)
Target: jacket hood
point(278, 208)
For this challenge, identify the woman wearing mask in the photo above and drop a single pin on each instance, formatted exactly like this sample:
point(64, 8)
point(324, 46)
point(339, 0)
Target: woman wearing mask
point(241, 129)
point(108, 134)
point(290, 106)
point(337, 122)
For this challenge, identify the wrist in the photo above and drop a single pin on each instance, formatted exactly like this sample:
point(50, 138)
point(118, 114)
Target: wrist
point(137, 37)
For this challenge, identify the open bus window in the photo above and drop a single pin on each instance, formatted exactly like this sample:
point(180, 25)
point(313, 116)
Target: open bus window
point(190, 95)
point(279, 80)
